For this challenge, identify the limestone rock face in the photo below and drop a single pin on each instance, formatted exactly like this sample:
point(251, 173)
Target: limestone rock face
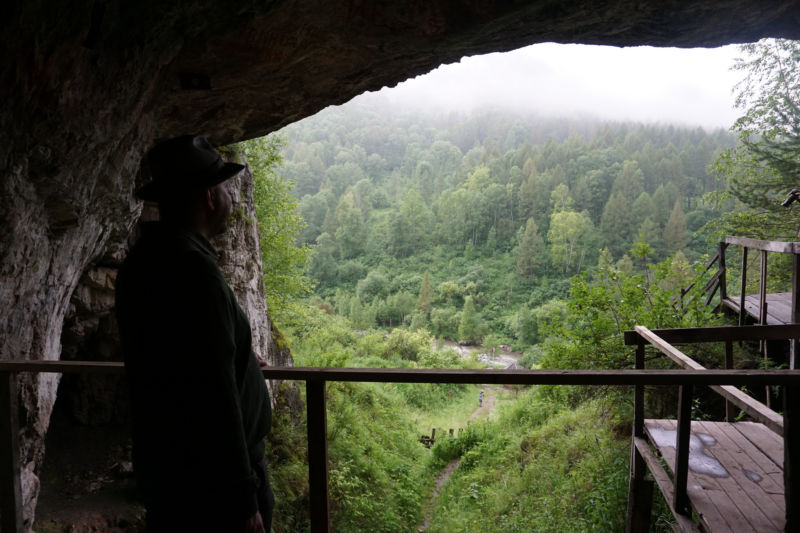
point(240, 262)
point(88, 86)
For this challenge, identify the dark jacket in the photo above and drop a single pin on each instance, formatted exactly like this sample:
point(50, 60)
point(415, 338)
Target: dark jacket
point(200, 408)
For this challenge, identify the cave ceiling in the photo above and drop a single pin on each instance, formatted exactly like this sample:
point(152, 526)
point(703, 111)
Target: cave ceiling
point(295, 58)
point(239, 69)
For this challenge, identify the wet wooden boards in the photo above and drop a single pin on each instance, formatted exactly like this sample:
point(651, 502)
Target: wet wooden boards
point(735, 480)
point(779, 307)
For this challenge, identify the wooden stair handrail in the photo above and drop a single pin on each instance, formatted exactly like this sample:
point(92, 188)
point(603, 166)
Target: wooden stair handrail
point(746, 403)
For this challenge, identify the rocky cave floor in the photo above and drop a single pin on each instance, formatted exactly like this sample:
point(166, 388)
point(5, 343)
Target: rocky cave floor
point(87, 482)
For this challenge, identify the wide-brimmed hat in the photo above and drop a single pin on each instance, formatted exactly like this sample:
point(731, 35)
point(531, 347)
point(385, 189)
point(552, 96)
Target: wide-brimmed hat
point(185, 163)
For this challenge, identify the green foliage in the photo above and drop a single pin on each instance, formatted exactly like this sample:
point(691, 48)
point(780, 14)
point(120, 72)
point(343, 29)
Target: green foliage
point(377, 467)
point(539, 467)
point(530, 252)
point(283, 262)
point(470, 327)
point(445, 321)
point(403, 195)
point(468, 228)
point(532, 326)
point(425, 298)
point(568, 237)
point(375, 285)
point(675, 236)
point(760, 171)
point(603, 306)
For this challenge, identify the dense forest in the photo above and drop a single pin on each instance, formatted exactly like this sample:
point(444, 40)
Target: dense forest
point(419, 220)
point(389, 237)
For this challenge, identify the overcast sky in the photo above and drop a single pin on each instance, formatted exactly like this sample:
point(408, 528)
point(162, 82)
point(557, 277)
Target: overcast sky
point(666, 85)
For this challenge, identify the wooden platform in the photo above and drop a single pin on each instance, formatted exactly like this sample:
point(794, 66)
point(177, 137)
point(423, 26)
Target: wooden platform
point(779, 307)
point(735, 473)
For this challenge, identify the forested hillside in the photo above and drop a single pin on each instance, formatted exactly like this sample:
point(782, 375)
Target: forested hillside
point(552, 236)
point(406, 231)
point(423, 220)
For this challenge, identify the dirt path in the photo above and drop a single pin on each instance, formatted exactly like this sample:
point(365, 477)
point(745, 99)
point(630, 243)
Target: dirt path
point(489, 393)
point(440, 481)
point(488, 403)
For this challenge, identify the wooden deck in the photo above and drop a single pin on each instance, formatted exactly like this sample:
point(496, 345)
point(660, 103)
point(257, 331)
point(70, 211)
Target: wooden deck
point(735, 478)
point(779, 307)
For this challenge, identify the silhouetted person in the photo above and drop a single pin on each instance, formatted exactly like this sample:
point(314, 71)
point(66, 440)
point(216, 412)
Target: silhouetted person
point(200, 407)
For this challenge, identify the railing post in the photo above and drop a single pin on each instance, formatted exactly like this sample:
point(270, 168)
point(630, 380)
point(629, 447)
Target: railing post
point(793, 344)
point(723, 281)
point(742, 313)
point(640, 489)
point(317, 420)
point(730, 413)
point(791, 456)
point(762, 290)
point(681, 468)
point(638, 394)
point(10, 492)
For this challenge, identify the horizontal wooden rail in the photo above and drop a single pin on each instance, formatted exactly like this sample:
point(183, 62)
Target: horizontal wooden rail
point(437, 375)
point(749, 405)
point(766, 246)
point(316, 378)
point(718, 334)
point(664, 482)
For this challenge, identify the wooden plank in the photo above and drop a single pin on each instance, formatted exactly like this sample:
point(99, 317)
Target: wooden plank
point(767, 442)
point(475, 376)
point(700, 490)
point(640, 500)
point(772, 484)
point(640, 491)
point(663, 481)
point(759, 508)
point(709, 495)
point(778, 307)
point(707, 266)
point(791, 457)
point(723, 292)
point(317, 423)
point(719, 334)
point(729, 407)
point(762, 290)
point(767, 246)
point(11, 519)
point(638, 395)
point(733, 516)
point(794, 317)
point(681, 468)
point(752, 407)
point(744, 287)
point(712, 293)
point(62, 367)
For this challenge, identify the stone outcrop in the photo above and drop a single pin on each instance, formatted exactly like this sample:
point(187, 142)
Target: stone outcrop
point(88, 86)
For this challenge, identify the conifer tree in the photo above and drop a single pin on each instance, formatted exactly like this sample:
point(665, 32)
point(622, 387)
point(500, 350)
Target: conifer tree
point(675, 236)
point(530, 251)
point(425, 295)
point(468, 326)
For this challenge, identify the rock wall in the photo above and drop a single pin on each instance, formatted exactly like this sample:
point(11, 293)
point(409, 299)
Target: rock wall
point(87, 86)
point(92, 403)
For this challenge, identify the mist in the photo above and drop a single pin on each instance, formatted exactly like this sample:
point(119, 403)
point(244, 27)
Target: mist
point(687, 87)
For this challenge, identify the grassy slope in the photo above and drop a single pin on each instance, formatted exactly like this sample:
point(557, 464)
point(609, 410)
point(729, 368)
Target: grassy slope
point(539, 467)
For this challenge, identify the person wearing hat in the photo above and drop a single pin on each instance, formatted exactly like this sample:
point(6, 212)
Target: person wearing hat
point(199, 403)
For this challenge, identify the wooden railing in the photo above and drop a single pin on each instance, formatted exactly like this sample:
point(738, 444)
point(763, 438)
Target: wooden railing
point(316, 379)
point(675, 491)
